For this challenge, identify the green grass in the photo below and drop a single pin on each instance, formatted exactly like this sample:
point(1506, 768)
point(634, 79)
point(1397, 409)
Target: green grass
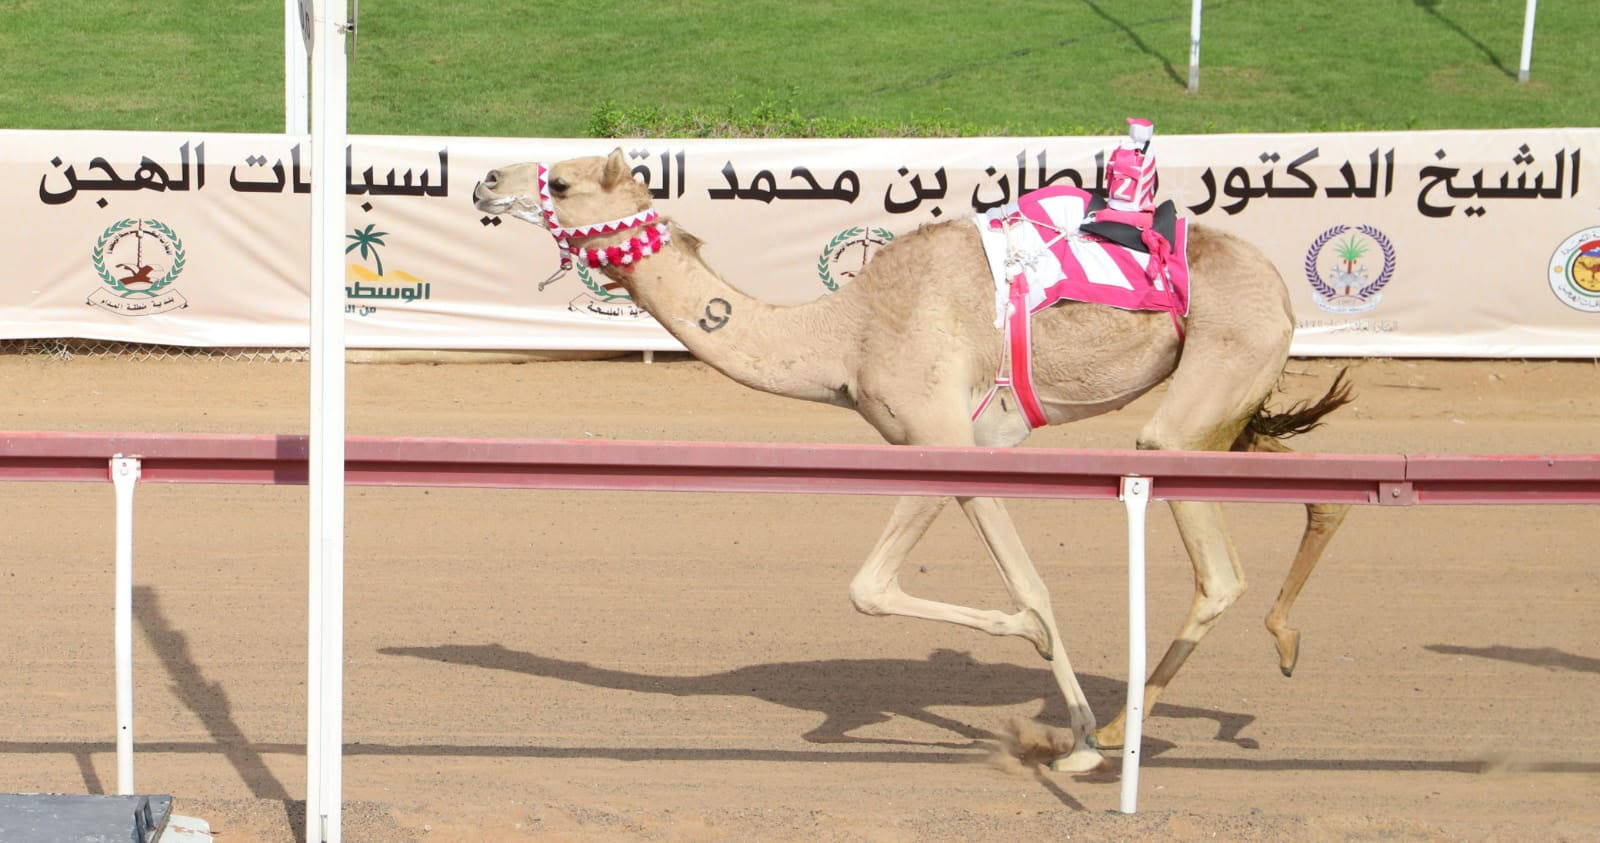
point(827, 67)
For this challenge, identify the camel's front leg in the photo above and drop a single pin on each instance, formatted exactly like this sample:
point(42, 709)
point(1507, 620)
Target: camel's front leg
point(876, 591)
point(1028, 591)
point(1218, 581)
point(876, 587)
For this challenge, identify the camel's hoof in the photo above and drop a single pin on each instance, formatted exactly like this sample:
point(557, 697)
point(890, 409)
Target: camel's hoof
point(1106, 744)
point(1081, 759)
point(1106, 741)
point(1047, 649)
point(1288, 641)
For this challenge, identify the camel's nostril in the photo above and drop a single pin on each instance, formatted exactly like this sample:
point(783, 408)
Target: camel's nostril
point(492, 178)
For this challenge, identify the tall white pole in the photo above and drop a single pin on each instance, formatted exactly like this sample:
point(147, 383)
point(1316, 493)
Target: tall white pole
point(1194, 46)
point(325, 646)
point(296, 53)
point(1135, 496)
point(124, 475)
point(1527, 41)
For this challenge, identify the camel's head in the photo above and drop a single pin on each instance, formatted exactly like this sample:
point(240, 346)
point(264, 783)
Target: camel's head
point(511, 190)
point(590, 205)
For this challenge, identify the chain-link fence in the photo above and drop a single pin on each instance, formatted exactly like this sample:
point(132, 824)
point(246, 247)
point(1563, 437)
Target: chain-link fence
point(67, 348)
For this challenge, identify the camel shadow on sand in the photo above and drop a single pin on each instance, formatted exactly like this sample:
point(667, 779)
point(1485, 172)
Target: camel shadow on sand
point(851, 694)
point(1546, 657)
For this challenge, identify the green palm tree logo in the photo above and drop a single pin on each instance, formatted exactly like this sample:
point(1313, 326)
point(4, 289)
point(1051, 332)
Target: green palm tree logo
point(368, 242)
point(1350, 250)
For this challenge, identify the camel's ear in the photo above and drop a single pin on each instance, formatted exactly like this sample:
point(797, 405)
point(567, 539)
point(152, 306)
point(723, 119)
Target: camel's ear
point(616, 170)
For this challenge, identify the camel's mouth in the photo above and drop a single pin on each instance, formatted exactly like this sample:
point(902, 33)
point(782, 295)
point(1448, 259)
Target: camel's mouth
point(520, 206)
point(486, 200)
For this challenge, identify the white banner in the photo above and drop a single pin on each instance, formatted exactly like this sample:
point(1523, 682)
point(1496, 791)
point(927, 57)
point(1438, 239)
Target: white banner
point(1459, 243)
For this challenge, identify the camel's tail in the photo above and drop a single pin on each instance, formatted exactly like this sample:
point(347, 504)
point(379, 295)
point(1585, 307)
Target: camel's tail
point(1266, 426)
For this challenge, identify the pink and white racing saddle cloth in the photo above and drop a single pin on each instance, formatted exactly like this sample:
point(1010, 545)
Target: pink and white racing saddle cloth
point(1036, 241)
point(1040, 253)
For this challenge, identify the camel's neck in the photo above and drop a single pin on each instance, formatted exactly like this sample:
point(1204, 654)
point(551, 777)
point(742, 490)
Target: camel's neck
point(804, 351)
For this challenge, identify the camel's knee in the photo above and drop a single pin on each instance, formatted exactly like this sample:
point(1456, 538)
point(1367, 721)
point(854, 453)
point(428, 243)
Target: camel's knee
point(1210, 604)
point(1156, 437)
point(1191, 432)
point(869, 596)
point(1149, 442)
point(1213, 439)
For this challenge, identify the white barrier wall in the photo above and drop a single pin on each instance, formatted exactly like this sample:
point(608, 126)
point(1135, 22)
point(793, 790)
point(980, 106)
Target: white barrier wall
point(1458, 243)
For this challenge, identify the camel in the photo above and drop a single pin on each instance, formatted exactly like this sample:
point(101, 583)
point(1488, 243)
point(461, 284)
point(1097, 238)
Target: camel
point(911, 344)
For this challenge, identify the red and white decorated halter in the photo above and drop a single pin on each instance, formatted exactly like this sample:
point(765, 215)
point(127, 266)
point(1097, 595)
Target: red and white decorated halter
point(638, 247)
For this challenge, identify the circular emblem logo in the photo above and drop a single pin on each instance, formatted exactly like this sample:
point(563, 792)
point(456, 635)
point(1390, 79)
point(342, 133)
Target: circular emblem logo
point(136, 257)
point(1575, 271)
point(846, 255)
point(1344, 269)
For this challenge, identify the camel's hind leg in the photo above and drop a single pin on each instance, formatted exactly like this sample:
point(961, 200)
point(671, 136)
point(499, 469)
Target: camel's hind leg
point(1218, 582)
point(1206, 407)
point(1322, 521)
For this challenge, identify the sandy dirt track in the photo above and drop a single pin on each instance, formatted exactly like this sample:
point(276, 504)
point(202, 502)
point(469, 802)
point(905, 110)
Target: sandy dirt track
point(582, 666)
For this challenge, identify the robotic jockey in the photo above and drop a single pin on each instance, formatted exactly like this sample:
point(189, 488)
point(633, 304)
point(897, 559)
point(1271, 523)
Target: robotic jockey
point(1131, 197)
point(1131, 172)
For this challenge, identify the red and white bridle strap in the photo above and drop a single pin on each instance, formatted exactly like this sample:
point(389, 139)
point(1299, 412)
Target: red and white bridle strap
point(639, 246)
point(608, 227)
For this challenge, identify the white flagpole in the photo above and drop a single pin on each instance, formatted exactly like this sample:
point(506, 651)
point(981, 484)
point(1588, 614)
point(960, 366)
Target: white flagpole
point(296, 53)
point(325, 646)
point(1527, 41)
point(1194, 46)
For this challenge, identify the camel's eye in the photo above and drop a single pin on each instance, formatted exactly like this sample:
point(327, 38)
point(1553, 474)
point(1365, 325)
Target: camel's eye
point(558, 186)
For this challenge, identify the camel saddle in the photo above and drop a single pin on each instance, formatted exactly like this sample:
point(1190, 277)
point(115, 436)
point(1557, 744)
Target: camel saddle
point(1063, 243)
point(1130, 233)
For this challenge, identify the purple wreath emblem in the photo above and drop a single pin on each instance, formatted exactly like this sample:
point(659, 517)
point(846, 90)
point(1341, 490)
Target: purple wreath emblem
point(1359, 294)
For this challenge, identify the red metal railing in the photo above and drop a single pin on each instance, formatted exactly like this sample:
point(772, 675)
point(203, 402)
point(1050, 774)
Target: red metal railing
point(818, 469)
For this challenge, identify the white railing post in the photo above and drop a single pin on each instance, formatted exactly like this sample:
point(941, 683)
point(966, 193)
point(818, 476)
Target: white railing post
point(326, 453)
point(124, 475)
point(1135, 496)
